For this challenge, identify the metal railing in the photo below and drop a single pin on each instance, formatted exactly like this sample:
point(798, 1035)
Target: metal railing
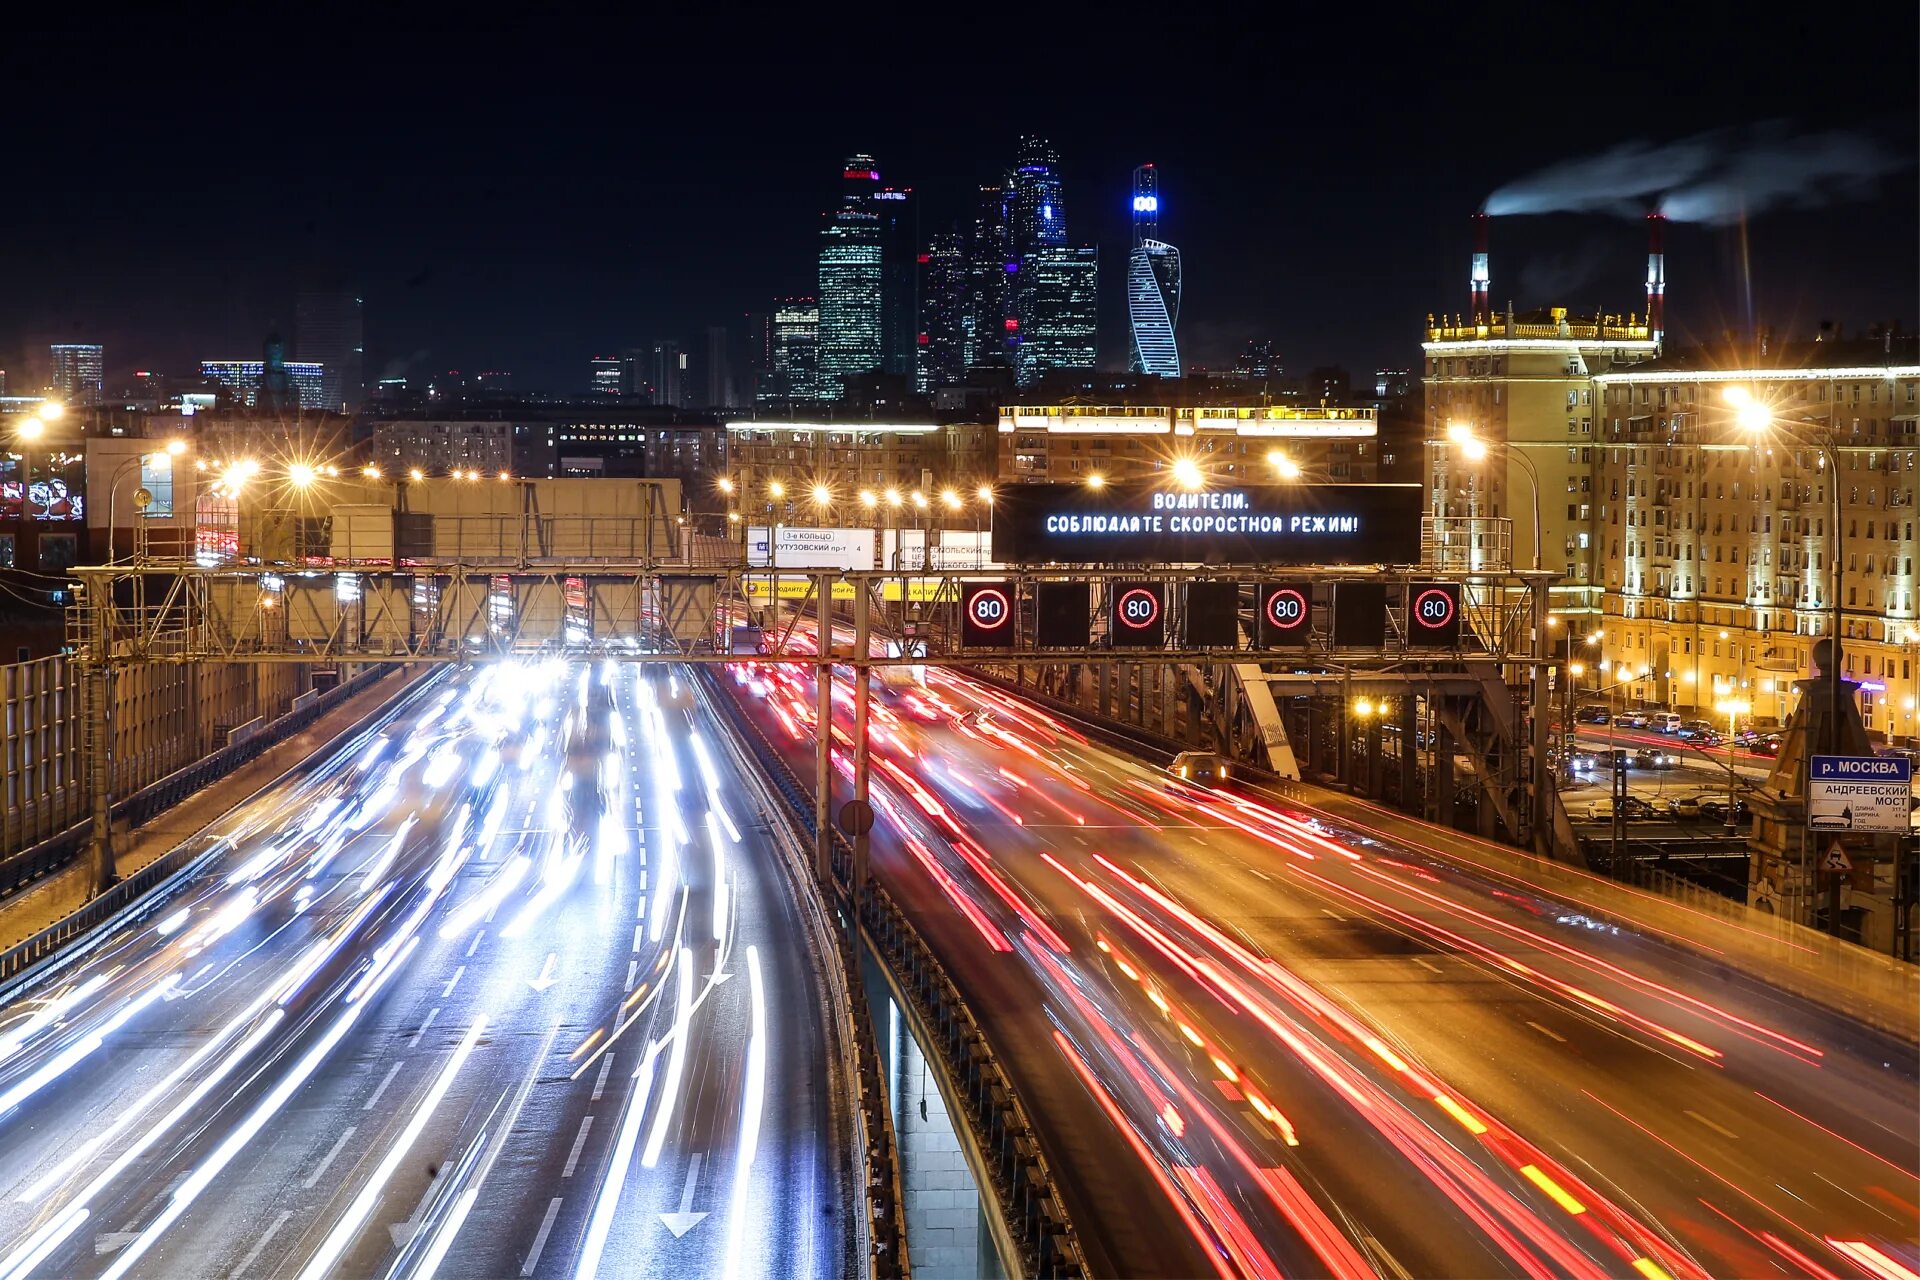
point(142, 892)
point(1002, 1131)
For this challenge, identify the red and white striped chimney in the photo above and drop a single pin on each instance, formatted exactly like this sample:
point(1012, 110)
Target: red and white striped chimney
point(1480, 279)
point(1656, 274)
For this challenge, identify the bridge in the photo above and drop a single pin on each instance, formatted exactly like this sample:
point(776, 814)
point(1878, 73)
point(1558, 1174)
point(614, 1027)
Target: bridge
point(594, 938)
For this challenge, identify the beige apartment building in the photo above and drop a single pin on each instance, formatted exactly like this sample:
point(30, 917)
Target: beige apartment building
point(1229, 444)
point(1522, 385)
point(1713, 495)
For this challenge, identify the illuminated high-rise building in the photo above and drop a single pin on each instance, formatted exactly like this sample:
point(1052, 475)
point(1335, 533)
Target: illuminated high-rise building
point(1153, 283)
point(793, 353)
point(852, 250)
point(79, 371)
point(1052, 317)
point(991, 266)
point(899, 279)
point(1059, 318)
point(270, 383)
point(943, 305)
point(603, 375)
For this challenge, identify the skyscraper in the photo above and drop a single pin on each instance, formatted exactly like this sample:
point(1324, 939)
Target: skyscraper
point(851, 271)
point(899, 279)
point(329, 330)
point(1058, 312)
point(793, 357)
point(991, 266)
point(943, 305)
point(718, 369)
point(603, 375)
point(1153, 283)
point(1052, 319)
point(79, 371)
point(669, 374)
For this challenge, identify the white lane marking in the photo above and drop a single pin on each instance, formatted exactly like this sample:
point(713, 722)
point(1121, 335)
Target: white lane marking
point(452, 982)
point(573, 1156)
point(424, 1024)
point(1263, 875)
point(639, 936)
point(475, 944)
point(1551, 1035)
point(643, 886)
point(326, 1161)
point(540, 1237)
point(386, 1080)
point(1426, 964)
point(633, 969)
point(1722, 1131)
point(1331, 915)
point(600, 1084)
point(260, 1245)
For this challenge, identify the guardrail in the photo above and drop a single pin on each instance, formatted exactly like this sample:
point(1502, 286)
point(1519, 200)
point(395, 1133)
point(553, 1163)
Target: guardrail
point(139, 892)
point(30, 864)
point(1022, 1182)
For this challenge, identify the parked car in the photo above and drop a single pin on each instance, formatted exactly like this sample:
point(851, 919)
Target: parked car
point(1635, 808)
point(1631, 720)
point(1714, 809)
point(1686, 808)
point(1667, 722)
point(1652, 758)
point(1692, 730)
point(1591, 715)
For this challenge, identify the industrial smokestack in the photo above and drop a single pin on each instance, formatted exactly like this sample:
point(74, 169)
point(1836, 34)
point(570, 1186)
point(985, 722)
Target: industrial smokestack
point(1480, 280)
point(1656, 274)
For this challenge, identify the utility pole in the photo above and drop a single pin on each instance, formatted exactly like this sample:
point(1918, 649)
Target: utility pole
point(861, 674)
point(823, 738)
point(96, 677)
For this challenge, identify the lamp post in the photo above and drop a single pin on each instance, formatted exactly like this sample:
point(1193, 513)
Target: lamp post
point(1476, 450)
point(1732, 709)
point(1755, 418)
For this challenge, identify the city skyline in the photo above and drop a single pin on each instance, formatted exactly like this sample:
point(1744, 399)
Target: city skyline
point(1330, 233)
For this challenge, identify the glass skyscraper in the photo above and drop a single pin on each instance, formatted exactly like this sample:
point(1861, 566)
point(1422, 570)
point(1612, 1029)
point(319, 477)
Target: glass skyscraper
point(1052, 317)
point(79, 372)
point(852, 253)
point(943, 306)
point(1153, 283)
point(793, 353)
point(991, 266)
point(329, 330)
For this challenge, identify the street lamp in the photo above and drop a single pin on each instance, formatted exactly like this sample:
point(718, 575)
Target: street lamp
point(1755, 418)
point(1285, 467)
point(1096, 481)
point(1732, 709)
point(1187, 474)
point(1476, 450)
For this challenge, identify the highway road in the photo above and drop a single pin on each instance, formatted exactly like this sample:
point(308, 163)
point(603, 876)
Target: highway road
point(511, 987)
point(1260, 1041)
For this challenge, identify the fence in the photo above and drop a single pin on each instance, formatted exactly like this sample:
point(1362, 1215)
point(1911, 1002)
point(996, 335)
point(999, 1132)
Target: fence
point(58, 849)
point(1001, 1129)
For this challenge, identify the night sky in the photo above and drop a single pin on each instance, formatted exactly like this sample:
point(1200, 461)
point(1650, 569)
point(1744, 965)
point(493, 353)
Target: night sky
point(522, 199)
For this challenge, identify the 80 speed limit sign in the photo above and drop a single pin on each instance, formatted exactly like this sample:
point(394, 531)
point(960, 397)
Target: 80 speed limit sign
point(1139, 614)
point(986, 614)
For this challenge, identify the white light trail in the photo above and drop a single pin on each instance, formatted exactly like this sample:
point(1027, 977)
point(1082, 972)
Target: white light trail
point(488, 898)
point(752, 1110)
point(607, 1202)
point(82, 1048)
point(676, 1063)
point(349, 1224)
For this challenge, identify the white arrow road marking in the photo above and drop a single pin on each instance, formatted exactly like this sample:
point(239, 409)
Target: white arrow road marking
point(682, 1222)
point(546, 978)
point(405, 1231)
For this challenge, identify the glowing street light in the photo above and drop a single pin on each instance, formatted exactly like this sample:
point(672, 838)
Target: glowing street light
point(176, 447)
point(822, 495)
point(31, 428)
point(415, 473)
point(1286, 467)
point(869, 499)
point(919, 500)
point(370, 472)
point(301, 475)
point(951, 498)
point(52, 410)
point(893, 497)
point(776, 490)
point(1186, 472)
point(725, 485)
point(1096, 481)
point(985, 494)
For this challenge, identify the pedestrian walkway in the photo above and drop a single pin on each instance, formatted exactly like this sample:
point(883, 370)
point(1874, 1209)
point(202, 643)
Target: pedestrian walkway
point(64, 891)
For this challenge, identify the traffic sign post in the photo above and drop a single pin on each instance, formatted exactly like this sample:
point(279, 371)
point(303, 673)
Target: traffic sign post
point(986, 615)
point(1859, 793)
point(1139, 615)
point(1286, 614)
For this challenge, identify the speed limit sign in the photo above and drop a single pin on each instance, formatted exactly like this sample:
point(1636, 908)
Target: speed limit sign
point(1139, 614)
point(986, 615)
point(1286, 614)
point(1433, 613)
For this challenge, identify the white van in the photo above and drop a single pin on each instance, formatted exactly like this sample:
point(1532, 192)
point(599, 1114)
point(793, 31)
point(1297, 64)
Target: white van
point(1668, 722)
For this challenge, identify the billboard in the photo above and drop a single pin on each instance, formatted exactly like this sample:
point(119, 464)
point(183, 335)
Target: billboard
point(804, 548)
point(1239, 524)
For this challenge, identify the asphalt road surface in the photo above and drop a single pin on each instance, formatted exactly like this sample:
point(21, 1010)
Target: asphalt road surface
point(1259, 1041)
point(511, 987)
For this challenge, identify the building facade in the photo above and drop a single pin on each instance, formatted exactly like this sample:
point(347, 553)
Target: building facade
point(1231, 444)
point(793, 353)
point(248, 380)
point(1713, 517)
point(603, 376)
point(1058, 325)
point(991, 265)
point(1153, 284)
point(943, 303)
point(851, 269)
point(79, 372)
point(846, 457)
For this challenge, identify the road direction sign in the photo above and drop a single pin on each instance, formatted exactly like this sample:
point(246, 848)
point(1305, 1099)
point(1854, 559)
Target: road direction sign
point(1859, 793)
point(1836, 859)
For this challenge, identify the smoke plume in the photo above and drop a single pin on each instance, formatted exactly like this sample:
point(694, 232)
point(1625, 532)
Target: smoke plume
point(1715, 177)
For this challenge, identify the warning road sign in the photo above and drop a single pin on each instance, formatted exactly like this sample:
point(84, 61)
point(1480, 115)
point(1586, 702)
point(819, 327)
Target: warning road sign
point(1836, 859)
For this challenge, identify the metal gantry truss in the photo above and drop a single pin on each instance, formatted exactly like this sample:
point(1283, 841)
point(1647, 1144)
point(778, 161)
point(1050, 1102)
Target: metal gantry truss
point(648, 611)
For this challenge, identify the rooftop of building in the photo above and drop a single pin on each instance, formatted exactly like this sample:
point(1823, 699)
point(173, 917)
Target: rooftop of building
point(1550, 324)
point(1885, 348)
